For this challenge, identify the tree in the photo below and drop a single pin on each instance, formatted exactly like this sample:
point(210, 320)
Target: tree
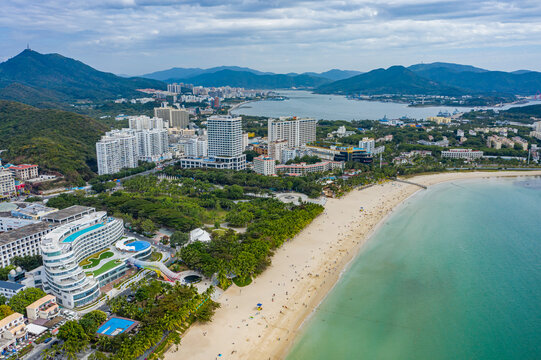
point(74, 336)
point(21, 300)
point(5, 311)
point(29, 262)
point(179, 238)
point(3, 300)
point(148, 226)
point(91, 321)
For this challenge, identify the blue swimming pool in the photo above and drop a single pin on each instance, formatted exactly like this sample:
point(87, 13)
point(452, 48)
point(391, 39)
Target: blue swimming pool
point(76, 234)
point(115, 326)
point(139, 245)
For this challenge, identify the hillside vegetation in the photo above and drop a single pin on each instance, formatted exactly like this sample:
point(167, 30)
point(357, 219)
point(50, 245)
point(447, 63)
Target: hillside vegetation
point(52, 79)
point(56, 140)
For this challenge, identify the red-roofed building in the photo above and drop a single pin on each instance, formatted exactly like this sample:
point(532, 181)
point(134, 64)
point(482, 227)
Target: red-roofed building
point(24, 171)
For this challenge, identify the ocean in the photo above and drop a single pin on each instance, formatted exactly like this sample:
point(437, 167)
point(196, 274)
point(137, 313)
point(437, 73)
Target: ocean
point(337, 107)
point(454, 273)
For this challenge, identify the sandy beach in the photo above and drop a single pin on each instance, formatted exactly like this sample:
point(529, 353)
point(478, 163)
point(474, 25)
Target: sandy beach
point(303, 271)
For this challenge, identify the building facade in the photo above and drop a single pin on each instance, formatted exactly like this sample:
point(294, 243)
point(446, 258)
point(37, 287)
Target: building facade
point(45, 308)
point(180, 118)
point(224, 136)
point(64, 247)
point(7, 183)
point(462, 154)
point(304, 168)
point(368, 144)
point(265, 165)
point(24, 171)
point(22, 241)
point(116, 150)
point(10, 288)
point(297, 132)
point(12, 332)
point(143, 122)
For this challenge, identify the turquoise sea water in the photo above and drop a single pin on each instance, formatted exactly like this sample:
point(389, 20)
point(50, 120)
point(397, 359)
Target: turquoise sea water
point(455, 273)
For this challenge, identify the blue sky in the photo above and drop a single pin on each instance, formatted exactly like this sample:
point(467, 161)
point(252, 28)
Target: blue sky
point(140, 36)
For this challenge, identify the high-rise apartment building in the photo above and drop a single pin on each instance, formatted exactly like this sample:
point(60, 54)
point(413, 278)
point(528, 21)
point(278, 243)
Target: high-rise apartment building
point(297, 132)
point(224, 136)
point(152, 144)
point(264, 165)
point(367, 144)
point(225, 150)
point(179, 118)
point(116, 150)
point(196, 148)
point(143, 122)
point(276, 148)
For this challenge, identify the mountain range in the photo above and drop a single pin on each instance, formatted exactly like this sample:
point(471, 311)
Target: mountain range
point(177, 74)
point(52, 80)
point(49, 79)
point(437, 79)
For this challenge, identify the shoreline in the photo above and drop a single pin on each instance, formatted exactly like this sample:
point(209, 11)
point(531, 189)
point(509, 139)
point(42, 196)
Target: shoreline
point(303, 272)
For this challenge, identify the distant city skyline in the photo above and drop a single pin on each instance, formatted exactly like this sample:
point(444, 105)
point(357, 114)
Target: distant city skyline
point(135, 37)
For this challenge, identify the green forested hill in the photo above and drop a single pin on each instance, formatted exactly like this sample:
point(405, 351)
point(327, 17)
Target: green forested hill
point(54, 139)
point(394, 80)
point(41, 79)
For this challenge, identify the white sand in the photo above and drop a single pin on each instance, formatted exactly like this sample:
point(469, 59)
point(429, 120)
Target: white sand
point(303, 271)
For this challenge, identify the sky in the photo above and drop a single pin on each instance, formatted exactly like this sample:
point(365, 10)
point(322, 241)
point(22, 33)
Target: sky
point(140, 36)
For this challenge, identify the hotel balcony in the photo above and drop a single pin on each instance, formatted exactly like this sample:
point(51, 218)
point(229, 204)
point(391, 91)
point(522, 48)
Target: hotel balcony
point(18, 331)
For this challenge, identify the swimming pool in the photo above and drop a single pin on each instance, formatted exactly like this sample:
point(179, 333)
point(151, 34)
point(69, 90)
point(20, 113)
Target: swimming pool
point(115, 326)
point(76, 234)
point(139, 245)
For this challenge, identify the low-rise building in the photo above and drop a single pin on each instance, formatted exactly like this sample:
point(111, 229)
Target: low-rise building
point(68, 214)
point(265, 165)
point(32, 212)
point(10, 288)
point(9, 223)
point(467, 154)
point(7, 183)
point(439, 119)
point(304, 168)
point(24, 171)
point(45, 308)
point(441, 143)
point(367, 144)
point(218, 162)
point(354, 154)
point(520, 141)
point(12, 332)
point(23, 241)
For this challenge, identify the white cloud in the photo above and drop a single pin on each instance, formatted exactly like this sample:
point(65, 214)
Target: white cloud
point(181, 32)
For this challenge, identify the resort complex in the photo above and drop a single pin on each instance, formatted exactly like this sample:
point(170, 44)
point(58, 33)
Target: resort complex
point(64, 247)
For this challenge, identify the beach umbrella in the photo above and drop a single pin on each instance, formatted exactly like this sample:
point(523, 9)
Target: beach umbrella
point(259, 304)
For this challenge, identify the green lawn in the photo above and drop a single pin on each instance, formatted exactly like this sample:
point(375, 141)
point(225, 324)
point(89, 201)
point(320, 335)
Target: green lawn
point(94, 261)
point(105, 267)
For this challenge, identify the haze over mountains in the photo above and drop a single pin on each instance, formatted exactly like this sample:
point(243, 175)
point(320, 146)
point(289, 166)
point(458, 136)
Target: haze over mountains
point(176, 73)
point(52, 80)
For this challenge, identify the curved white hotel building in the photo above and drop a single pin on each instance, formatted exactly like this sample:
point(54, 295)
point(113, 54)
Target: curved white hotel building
point(64, 247)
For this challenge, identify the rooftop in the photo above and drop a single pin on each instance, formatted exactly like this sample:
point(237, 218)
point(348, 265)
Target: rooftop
point(43, 300)
point(9, 318)
point(10, 285)
point(67, 212)
point(10, 236)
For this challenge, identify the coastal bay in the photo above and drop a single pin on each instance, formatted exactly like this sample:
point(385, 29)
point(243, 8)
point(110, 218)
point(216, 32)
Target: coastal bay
point(303, 271)
point(337, 107)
